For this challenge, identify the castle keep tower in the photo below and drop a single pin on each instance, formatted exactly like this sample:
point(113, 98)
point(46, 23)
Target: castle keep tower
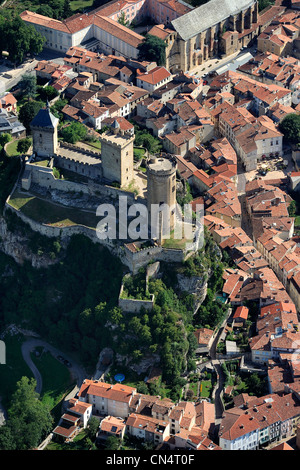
point(161, 187)
point(44, 133)
point(117, 155)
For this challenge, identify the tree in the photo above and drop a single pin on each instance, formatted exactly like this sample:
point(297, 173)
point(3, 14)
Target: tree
point(74, 132)
point(29, 420)
point(57, 107)
point(28, 111)
point(19, 39)
point(28, 85)
point(45, 10)
point(122, 19)
point(24, 145)
point(7, 441)
point(112, 443)
point(290, 127)
point(153, 49)
point(47, 93)
point(92, 428)
point(67, 10)
point(99, 3)
point(292, 209)
point(143, 138)
point(262, 4)
point(4, 139)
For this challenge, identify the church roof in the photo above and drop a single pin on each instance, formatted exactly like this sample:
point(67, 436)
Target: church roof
point(44, 118)
point(207, 15)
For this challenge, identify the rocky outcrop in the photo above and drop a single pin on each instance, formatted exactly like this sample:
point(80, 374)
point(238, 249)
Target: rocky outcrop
point(194, 285)
point(15, 245)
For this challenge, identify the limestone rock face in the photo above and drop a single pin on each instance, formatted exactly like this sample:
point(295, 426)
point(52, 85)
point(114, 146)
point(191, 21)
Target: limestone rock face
point(196, 286)
point(15, 245)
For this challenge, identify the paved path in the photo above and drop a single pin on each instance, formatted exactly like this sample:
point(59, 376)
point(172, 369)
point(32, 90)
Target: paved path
point(77, 371)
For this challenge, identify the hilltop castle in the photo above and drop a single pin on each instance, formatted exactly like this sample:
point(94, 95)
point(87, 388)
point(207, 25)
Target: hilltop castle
point(112, 168)
point(73, 177)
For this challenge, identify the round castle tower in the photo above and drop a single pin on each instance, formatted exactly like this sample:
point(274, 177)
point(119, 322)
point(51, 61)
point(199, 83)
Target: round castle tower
point(161, 186)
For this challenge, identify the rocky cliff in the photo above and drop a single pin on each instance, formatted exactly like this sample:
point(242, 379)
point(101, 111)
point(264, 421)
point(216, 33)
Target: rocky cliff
point(15, 244)
point(195, 286)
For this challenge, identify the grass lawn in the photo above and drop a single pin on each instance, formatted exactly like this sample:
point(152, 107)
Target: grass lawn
point(56, 378)
point(11, 149)
point(175, 243)
point(131, 378)
point(48, 213)
point(297, 221)
point(138, 153)
point(14, 369)
point(96, 144)
point(43, 163)
point(78, 4)
point(205, 388)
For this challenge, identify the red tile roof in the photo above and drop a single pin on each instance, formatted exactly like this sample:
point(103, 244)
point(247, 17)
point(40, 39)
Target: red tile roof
point(155, 75)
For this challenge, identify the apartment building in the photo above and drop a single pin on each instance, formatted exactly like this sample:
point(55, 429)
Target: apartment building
point(153, 79)
point(279, 37)
point(106, 34)
point(147, 429)
point(107, 399)
point(261, 421)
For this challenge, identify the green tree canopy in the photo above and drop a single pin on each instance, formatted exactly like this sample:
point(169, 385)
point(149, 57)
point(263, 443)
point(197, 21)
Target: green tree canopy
point(19, 39)
point(29, 420)
point(74, 132)
point(143, 138)
point(28, 111)
point(122, 19)
point(28, 85)
point(262, 4)
point(45, 10)
point(290, 127)
point(23, 145)
point(153, 49)
point(5, 138)
point(47, 93)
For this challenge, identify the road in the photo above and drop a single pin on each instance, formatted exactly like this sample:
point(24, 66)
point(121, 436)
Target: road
point(27, 67)
point(78, 373)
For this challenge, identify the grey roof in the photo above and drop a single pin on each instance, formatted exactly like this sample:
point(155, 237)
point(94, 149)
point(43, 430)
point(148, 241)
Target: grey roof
point(5, 125)
point(207, 15)
point(44, 118)
point(115, 124)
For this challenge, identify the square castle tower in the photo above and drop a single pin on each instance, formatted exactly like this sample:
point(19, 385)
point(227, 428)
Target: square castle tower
point(116, 147)
point(117, 155)
point(44, 133)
